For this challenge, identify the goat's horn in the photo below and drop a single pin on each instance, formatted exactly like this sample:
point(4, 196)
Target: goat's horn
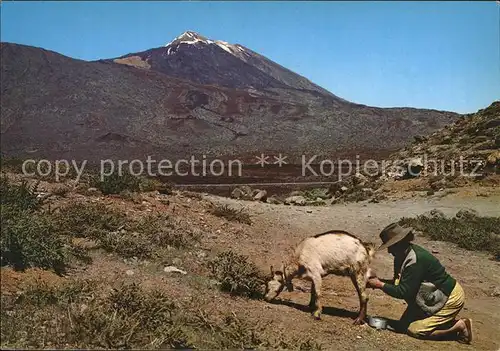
point(283, 270)
point(272, 271)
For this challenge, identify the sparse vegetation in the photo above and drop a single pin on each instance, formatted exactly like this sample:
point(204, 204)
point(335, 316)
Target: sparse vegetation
point(467, 230)
point(162, 231)
point(86, 314)
point(61, 191)
point(237, 274)
point(142, 238)
point(231, 214)
point(91, 220)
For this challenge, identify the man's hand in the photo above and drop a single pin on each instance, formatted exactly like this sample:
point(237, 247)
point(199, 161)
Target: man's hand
point(374, 283)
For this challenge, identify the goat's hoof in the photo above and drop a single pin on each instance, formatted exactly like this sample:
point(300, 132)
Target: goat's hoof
point(359, 321)
point(317, 315)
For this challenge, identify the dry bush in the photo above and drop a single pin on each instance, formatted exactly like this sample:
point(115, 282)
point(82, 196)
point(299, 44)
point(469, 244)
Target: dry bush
point(237, 274)
point(467, 230)
point(231, 214)
point(80, 219)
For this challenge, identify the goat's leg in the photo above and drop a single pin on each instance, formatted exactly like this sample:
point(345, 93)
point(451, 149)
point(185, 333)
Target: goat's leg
point(312, 302)
point(359, 280)
point(317, 293)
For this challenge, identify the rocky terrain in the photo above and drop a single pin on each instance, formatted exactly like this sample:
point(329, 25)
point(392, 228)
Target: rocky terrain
point(473, 138)
point(192, 96)
point(466, 152)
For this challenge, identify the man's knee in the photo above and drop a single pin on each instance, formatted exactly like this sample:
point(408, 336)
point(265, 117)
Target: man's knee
point(418, 330)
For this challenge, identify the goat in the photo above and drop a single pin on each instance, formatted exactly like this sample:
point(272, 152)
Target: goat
point(333, 252)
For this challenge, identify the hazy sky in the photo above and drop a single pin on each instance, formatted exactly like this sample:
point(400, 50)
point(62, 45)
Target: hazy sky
point(442, 55)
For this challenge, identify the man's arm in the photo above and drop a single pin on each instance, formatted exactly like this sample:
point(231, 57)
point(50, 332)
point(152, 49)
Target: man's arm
point(409, 284)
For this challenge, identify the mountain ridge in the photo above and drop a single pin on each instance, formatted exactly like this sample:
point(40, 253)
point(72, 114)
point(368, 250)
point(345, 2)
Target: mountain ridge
point(57, 106)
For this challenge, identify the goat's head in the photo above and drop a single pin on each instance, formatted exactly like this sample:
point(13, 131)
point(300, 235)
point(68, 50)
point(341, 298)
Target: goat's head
point(277, 283)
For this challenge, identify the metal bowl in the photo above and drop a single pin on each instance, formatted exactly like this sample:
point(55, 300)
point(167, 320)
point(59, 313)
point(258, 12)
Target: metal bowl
point(377, 322)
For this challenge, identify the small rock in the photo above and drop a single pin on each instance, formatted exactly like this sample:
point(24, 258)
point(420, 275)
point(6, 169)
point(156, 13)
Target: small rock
point(344, 189)
point(466, 213)
point(360, 179)
point(358, 337)
point(129, 272)
point(309, 211)
point(435, 213)
point(172, 269)
point(83, 307)
point(493, 158)
point(435, 251)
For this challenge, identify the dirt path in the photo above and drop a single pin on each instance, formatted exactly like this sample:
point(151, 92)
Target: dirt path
point(276, 227)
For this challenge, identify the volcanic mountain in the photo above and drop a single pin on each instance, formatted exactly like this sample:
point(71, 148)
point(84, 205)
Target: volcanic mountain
point(191, 96)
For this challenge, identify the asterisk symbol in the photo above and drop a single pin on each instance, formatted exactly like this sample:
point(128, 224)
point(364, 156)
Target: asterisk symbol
point(280, 160)
point(262, 160)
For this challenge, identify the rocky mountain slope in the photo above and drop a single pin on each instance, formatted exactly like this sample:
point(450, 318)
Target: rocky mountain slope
point(206, 97)
point(473, 141)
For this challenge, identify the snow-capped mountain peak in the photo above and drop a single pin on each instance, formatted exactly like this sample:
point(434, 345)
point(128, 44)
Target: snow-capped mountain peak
point(191, 37)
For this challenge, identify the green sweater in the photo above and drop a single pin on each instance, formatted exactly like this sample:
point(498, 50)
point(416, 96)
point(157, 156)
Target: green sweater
point(418, 266)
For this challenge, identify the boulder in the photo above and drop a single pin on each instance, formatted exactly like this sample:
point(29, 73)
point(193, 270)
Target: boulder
point(295, 200)
point(273, 200)
point(243, 192)
point(260, 196)
point(237, 193)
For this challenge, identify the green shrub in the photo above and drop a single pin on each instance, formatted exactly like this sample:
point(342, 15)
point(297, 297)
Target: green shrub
point(466, 230)
point(30, 240)
point(231, 214)
point(20, 197)
point(126, 244)
point(315, 193)
point(237, 274)
point(116, 183)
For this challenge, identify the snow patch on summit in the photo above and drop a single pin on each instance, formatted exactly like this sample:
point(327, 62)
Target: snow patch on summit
point(193, 38)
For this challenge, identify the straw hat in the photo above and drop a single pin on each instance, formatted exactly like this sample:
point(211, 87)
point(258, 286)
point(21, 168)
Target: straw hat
point(392, 234)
